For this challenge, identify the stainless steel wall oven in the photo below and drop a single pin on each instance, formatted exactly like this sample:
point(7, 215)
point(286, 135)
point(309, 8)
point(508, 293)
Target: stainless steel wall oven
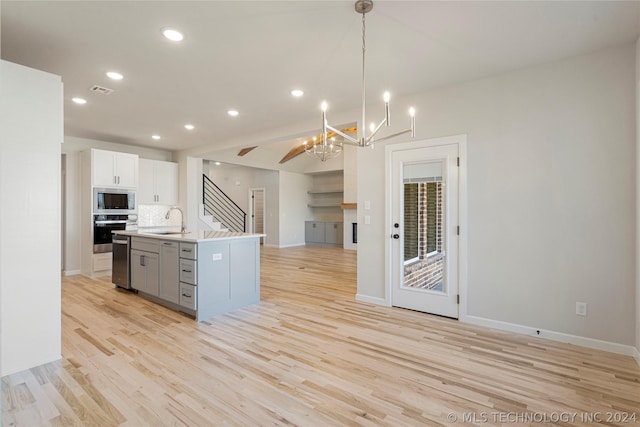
point(105, 225)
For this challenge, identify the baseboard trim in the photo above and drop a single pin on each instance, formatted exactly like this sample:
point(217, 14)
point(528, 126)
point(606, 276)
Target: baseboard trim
point(40, 362)
point(636, 355)
point(612, 347)
point(372, 300)
point(292, 245)
point(71, 272)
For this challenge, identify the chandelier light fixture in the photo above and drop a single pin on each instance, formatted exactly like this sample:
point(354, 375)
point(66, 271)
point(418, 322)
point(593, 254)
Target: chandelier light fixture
point(326, 148)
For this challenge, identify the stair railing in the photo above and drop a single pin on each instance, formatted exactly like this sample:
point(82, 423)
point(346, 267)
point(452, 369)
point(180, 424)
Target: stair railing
point(220, 206)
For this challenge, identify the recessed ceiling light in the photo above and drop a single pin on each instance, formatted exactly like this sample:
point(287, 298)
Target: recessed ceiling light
point(113, 75)
point(79, 100)
point(297, 93)
point(155, 136)
point(232, 113)
point(188, 126)
point(173, 35)
point(217, 163)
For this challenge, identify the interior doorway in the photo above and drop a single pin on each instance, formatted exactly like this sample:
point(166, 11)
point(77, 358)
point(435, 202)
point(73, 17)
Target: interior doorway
point(257, 211)
point(425, 222)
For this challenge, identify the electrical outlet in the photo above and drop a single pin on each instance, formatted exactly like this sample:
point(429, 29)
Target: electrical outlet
point(581, 308)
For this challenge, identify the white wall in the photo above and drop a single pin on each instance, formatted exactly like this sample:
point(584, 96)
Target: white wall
point(31, 117)
point(285, 199)
point(235, 181)
point(637, 352)
point(551, 189)
point(73, 214)
point(293, 209)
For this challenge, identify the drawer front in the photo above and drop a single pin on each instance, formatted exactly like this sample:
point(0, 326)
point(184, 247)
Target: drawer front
point(188, 250)
point(188, 271)
point(147, 245)
point(188, 296)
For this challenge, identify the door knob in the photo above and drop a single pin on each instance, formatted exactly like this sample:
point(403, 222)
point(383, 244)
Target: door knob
point(396, 236)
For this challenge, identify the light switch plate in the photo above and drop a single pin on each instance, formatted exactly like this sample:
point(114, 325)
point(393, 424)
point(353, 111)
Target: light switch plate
point(217, 257)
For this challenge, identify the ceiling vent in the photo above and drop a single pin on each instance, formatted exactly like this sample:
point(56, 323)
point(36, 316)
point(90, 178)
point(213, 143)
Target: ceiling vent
point(100, 89)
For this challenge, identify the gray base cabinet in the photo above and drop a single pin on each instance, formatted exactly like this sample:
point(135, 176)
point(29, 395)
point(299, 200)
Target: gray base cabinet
point(203, 279)
point(145, 271)
point(228, 276)
point(323, 233)
point(169, 272)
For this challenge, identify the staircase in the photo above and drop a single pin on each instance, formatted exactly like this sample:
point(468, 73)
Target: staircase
point(217, 211)
point(208, 222)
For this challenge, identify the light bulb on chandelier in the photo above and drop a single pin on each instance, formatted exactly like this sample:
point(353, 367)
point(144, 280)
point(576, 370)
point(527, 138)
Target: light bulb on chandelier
point(328, 150)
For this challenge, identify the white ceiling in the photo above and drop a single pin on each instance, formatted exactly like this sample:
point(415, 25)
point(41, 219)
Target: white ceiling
point(248, 55)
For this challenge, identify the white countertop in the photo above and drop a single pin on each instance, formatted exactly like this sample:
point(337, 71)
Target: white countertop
point(192, 237)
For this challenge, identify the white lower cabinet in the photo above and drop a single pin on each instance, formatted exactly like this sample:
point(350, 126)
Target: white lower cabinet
point(101, 262)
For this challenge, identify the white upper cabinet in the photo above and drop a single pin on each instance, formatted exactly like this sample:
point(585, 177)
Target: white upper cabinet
point(158, 183)
point(113, 169)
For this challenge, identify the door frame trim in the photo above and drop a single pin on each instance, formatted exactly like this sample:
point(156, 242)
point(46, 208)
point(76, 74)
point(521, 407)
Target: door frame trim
point(461, 142)
point(264, 208)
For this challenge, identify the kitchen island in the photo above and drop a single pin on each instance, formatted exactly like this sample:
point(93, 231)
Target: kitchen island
point(202, 274)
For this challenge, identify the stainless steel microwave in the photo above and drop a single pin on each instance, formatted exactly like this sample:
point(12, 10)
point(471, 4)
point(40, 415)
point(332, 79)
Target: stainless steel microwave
point(114, 201)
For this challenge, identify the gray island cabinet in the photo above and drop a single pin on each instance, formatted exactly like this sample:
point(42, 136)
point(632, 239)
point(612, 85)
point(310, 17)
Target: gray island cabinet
point(202, 274)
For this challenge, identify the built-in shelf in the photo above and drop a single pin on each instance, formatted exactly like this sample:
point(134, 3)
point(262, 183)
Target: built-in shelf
point(325, 198)
point(349, 205)
point(324, 205)
point(324, 192)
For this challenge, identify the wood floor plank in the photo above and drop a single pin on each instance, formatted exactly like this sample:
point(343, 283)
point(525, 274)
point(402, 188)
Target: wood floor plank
point(307, 355)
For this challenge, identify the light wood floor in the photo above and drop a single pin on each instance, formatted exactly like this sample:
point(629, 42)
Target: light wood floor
point(308, 354)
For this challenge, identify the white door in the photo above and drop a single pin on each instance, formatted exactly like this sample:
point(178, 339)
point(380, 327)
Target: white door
point(424, 230)
point(256, 210)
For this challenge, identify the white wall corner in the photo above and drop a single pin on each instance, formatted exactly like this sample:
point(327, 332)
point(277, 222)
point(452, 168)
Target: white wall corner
point(372, 300)
point(71, 272)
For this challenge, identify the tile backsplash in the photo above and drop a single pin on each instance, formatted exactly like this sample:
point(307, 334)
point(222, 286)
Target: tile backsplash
point(153, 216)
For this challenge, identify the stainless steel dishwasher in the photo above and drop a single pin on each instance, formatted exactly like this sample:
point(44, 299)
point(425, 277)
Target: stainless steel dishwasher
point(120, 268)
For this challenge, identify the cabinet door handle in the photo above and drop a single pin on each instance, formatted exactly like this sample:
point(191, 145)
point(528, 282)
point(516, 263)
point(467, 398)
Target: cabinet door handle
point(142, 260)
point(115, 179)
point(186, 271)
point(186, 296)
point(186, 250)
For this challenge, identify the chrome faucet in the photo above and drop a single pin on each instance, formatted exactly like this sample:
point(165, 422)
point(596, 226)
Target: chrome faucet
point(182, 227)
